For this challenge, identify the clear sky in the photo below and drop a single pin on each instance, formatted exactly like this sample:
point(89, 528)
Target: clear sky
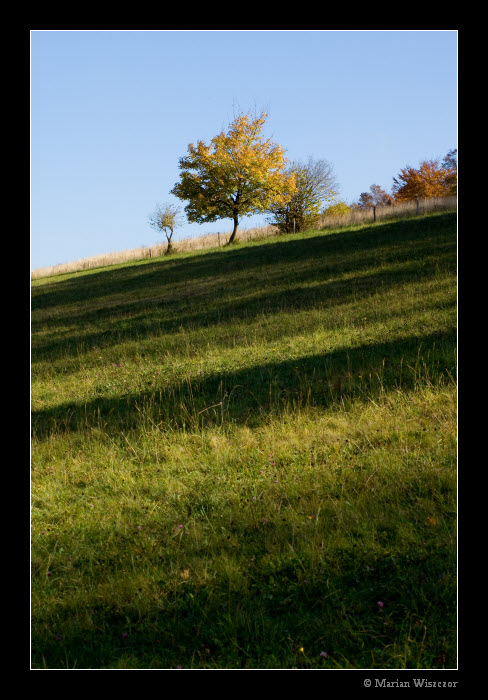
point(113, 111)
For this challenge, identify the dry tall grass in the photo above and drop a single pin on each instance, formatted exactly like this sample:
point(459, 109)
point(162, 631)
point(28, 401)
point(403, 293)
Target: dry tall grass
point(213, 240)
point(185, 245)
point(398, 211)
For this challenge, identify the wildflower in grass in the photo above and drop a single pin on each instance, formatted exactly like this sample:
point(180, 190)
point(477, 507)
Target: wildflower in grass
point(432, 521)
point(44, 532)
point(49, 573)
point(139, 527)
point(301, 649)
point(380, 604)
point(323, 654)
point(125, 635)
point(265, 520)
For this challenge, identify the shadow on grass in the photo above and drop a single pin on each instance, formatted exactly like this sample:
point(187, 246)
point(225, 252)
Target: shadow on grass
point(229, 260)
point(264, 623)
point(153, 323)
point(262, 620)
point(251, 395)
point(226, 297)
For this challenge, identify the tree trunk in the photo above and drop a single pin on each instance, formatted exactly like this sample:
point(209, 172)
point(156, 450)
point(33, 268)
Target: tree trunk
point(170, 247)
point(234, 232)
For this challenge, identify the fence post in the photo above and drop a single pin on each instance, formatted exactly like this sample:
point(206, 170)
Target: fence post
point(293, 224)
point(417, 200)
point(218, 234)
point(374, 212)
point(150, 253)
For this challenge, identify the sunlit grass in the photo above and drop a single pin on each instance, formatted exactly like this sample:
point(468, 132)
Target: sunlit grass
point(238, 454)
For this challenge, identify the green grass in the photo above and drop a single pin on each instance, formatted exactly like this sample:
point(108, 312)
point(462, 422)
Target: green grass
point(238, 453)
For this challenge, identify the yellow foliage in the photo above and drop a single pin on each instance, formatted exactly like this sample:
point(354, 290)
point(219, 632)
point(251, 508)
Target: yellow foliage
point(238, 174)
point(337, 209)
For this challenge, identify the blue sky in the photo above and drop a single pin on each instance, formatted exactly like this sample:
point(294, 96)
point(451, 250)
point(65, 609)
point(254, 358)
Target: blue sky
point(113, 111)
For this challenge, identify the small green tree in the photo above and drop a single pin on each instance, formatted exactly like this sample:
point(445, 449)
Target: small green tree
point(164, 219)
point(315, 186)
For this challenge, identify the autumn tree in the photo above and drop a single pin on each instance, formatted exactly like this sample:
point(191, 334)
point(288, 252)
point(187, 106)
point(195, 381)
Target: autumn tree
point(365, 200)
point(316, 186)
point(239, 174)
point(430, 179)
point(164, 219)
point(376, 197)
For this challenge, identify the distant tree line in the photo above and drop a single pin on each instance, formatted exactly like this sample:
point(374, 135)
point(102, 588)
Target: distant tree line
point(431, 179)
point(241, 173)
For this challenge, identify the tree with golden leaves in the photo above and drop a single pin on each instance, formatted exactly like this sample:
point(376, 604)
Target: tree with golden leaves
point(239, 174)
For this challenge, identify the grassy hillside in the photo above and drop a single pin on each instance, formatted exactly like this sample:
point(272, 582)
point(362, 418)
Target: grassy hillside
point(246, 457)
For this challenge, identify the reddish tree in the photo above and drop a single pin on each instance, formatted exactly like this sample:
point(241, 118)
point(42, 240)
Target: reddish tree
point(429, 180)
point(376, 197)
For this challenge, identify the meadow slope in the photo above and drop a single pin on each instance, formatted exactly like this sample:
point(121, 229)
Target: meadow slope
point(246, 457)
